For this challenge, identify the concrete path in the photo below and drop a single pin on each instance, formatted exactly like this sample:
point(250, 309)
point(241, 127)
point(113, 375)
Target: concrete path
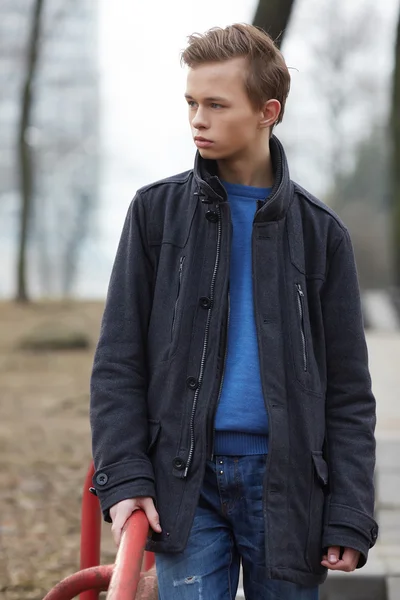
point(384, 349)
point(380, 311)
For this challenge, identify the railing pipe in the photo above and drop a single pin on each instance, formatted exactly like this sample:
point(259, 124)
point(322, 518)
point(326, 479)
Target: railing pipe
point(90, 531)
point(94, 579)
point(148, 561)
point(126, 573)
point(121, 579)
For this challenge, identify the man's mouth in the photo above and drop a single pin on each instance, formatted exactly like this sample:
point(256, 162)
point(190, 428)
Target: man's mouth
point(202, 142)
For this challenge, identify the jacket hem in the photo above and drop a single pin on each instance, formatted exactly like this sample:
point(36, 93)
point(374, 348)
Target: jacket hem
point(304, 578)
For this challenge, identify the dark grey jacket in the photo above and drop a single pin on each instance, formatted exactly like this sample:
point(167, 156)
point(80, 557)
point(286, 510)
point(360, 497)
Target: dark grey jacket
point(159, 362)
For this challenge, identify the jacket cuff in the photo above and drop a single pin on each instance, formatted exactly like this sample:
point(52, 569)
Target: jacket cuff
point(350, 528)
point(121, 481)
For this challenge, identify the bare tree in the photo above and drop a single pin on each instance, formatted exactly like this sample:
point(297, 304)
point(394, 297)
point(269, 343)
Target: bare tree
point(333, 113)
point(57, 158)
point(273, 16)
point(341, 79)
point(366, 209)
point(24, 151)
point(73, 245)
point(395, 128)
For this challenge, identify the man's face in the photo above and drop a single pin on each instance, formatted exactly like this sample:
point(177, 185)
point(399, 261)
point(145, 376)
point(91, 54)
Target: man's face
point(220, 111)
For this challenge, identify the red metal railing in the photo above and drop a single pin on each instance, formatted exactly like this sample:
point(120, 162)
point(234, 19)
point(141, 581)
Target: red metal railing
point(126, 573)
point(121, 579)
point(96, 579)
point(90, 531)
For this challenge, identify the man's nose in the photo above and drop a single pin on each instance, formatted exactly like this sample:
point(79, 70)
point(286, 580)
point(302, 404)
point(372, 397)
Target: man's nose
point(199, 120)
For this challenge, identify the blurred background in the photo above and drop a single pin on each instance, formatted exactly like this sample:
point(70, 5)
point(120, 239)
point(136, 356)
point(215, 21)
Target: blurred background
point(91, 108)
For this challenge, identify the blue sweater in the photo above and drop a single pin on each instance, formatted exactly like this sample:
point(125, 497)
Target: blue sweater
point(241, 422)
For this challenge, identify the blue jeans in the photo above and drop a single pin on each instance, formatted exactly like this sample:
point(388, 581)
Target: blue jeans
point(228, 528)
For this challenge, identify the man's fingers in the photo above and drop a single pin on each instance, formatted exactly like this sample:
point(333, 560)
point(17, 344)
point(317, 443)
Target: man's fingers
point(331, 560)
point(347, 563)
point(116, 530)
point(351, 557)
point(120, 520)
point(152, 515)
point(121, 512)
point(333, 554)
point(341, 565)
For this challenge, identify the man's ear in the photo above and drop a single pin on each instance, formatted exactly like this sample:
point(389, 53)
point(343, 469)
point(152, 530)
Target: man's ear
point(270, 113)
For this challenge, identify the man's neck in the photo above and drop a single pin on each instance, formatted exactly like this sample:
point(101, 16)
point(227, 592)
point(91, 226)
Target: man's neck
point(254, 171)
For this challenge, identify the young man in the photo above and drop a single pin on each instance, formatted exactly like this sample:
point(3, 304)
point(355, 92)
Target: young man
point(231, 397)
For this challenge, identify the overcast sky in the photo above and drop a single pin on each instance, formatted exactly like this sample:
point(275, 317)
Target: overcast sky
point(144, 130)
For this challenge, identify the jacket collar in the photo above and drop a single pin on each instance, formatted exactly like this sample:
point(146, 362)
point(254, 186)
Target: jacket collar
point(275, 206)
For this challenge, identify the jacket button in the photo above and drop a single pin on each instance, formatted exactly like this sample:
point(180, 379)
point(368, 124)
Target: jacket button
point(205, 302)
point(178, 463)
point(212, 216)
point(101, 479)
point(192, 383)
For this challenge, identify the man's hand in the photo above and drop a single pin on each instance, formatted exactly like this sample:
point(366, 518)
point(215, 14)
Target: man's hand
point(347, 563)
point(120, 512)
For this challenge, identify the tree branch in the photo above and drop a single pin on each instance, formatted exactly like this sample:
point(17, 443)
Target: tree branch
point(273, 16)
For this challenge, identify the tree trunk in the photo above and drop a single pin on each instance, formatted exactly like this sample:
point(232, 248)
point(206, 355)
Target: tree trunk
point(395, 129)
point(77, 237)
point(24, 152)
point(273, 16)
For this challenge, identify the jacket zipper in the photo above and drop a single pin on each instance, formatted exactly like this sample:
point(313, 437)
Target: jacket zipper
point(181, 261)
point(205, 343)
point(266, 400)
point(300, 304)
point(222, 378)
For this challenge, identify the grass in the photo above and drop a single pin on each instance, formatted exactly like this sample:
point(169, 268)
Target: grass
point(44, 447)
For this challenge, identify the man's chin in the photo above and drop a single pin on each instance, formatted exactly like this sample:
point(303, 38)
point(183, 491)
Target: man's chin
point(212, 154)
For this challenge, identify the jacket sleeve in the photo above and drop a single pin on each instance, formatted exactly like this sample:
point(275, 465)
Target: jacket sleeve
point(350, 410)
point(118, 413)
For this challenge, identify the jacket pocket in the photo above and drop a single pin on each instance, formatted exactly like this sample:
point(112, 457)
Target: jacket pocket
point(304, 361)
point(178, 293)
point(301, 312)
point(154, 431)
point(319, 486)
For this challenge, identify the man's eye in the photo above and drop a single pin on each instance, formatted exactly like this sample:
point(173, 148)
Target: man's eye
point(191, 103)
point(214, 105)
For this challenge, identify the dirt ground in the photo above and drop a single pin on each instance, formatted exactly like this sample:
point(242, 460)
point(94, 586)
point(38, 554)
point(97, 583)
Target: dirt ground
point(44, 449)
